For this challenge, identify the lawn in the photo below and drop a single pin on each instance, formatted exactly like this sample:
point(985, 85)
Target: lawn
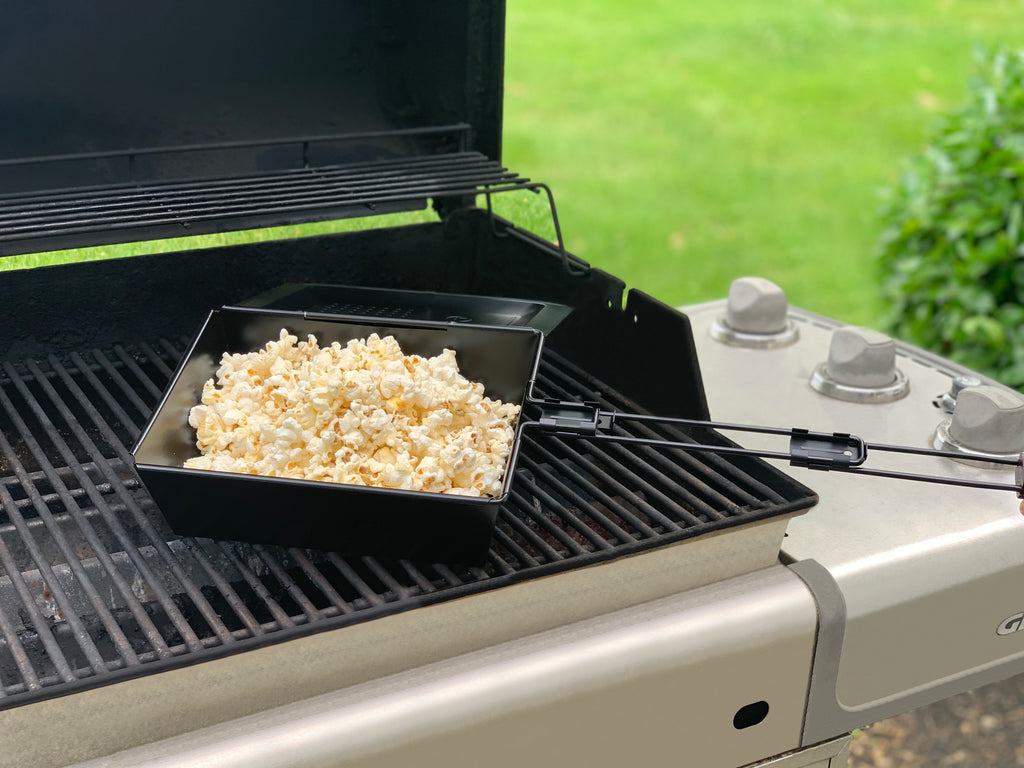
point(691, 143)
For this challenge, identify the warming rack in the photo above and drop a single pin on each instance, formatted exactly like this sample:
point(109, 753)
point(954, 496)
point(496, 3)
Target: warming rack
point(146, 209)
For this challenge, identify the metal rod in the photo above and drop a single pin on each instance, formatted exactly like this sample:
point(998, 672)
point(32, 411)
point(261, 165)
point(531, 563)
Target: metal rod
point(715, 471)
point(400, 591)
point(286, 581)
point(140, 375)
point(535, 512)
point(532, 537)
point(509, 544)
point(570, 268)
point(316, 576)
point(454, 128)
point(576, 488)
point(941, 454)
point(424, 192)
point(728, 450)
point(692, 477)
point(198, 553)
point(110, 401)
point(447, 574)
point(940, 480)
point(422, 582)
point(132, 194)
point(279, 614)
point(201, 199)
point(205, 609)
point(144, 409)
point(546, 498)
point(38, 622)
point(201, 556)
point(354, 579)
point(81, 634)
point(149, 629)
point(586, 508)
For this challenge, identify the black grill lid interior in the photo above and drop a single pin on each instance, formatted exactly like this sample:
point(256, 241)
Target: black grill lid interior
point(123, 96)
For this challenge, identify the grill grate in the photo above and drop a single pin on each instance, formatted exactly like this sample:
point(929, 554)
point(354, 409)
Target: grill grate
point(43, 219)
point(94, 587)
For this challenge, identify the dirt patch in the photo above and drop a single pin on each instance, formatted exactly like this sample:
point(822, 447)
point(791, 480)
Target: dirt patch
point(983, 728)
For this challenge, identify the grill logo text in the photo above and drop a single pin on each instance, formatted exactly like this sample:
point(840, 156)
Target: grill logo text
point(1011, 624)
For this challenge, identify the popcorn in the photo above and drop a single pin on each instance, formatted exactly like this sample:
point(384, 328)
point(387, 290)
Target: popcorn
point(362, 414)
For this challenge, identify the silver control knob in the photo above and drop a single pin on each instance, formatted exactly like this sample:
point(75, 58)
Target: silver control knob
point(860, 357)
point(989, 419)
point(958, 385)
point(861, 367)
point(755, 316)
point(756, 305)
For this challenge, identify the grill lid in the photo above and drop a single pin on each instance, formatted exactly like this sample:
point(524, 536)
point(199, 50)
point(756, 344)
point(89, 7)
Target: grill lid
point(126, 121)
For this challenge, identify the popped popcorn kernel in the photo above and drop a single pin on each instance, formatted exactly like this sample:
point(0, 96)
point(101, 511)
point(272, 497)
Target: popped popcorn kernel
point(362, 414)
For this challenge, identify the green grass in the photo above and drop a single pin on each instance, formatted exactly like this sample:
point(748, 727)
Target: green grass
point(27, 261)
point(691, 143)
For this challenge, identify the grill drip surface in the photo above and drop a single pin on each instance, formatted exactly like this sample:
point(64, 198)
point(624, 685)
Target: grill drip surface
point(95, 588)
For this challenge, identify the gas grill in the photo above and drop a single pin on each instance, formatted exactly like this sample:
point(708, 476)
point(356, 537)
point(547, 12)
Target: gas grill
point(685, 601)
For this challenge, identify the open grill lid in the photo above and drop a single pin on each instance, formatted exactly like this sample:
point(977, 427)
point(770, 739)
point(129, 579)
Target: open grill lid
point(126, 122)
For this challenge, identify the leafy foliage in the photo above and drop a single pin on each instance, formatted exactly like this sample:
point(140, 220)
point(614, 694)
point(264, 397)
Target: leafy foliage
point(953, 245)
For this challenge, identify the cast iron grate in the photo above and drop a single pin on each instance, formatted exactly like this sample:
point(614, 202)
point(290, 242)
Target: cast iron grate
point(95, 588)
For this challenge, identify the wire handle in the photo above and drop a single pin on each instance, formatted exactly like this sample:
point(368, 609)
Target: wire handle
point(823, 451)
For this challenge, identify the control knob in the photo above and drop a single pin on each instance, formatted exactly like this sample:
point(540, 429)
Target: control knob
point(755, 316)
point(861, 368)
point(988, 421)
point(948, 399)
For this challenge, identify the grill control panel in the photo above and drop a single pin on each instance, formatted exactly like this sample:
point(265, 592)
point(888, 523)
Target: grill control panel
point(905, 558)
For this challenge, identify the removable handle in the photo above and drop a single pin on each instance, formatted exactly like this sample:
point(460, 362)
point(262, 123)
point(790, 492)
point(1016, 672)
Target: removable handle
point(824, 451)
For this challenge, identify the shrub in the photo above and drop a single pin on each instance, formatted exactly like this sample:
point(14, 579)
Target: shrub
point(952, 249)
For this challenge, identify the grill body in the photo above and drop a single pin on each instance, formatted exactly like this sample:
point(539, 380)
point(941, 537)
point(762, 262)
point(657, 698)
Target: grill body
point(97, 591)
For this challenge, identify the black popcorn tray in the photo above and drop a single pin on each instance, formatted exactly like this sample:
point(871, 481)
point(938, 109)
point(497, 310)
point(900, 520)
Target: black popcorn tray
point(324, 515)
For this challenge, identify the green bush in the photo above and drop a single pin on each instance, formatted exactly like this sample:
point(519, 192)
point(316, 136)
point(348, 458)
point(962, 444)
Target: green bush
point(952, 250)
